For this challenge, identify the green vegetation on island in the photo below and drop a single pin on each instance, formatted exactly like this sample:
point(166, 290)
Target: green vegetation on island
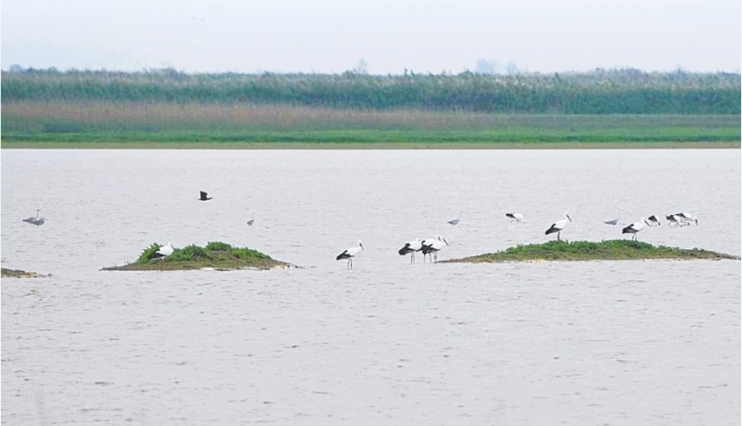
point(215, 255)
point(586, 250)
point(166, 108)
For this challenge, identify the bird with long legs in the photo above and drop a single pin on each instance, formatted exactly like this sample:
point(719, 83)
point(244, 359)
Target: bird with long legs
point(515, 217)
point(350, 254)
point(674, 220)
point(559, 226)
point(653, 221)
point(432, 246)
point(411, 248)
point(687, 218)
point(635, 228)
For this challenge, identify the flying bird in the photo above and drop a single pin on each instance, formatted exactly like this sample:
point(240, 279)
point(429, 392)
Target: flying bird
point(251, 221)
point(635, 228)
point(411, 248)
point(453, 222)
point(35, 220)
point(431, 247)
point(350, 254)
point(559, 226)
point(653, 221)
point(204, 196)
point(613, 221)
point(515, 217)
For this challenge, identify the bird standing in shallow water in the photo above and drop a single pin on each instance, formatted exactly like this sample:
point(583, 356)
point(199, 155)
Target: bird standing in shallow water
point(410, 248)
point(432, 246)
point(350, 254)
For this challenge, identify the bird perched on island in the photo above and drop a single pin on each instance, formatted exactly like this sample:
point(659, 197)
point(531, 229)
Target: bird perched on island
point(411, 248)
point(35, 220)
point(163, 251)
point(559, 226)
point(431, 247)
point(204, 196)
point(515, 217)
point(350, 254)
point(635, 228)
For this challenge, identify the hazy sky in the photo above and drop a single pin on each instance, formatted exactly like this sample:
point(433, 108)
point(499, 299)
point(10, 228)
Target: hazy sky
point(331, 36)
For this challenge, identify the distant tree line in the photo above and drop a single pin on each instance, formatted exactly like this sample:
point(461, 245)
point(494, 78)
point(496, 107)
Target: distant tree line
point(614, 91)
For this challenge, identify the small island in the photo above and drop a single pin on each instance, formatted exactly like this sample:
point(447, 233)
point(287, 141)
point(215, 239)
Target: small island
point(587, 250)
point(17, 273)
point(216, 255)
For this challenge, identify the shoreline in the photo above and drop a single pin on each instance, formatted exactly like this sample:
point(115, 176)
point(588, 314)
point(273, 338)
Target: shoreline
point(369, 146)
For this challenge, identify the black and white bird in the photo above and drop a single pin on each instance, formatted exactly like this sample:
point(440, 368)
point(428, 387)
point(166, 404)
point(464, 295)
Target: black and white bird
point(251, 221)
point(35, 220)
point(635, 228)
point(653, 221)
point(350, 254)
point(163, 251)
point(453, 222)
point(674, 220)
point(204, 196)
point(687, 218)
point(432, 246)
point(411, 248)
point(559, 226)
point(515, 217)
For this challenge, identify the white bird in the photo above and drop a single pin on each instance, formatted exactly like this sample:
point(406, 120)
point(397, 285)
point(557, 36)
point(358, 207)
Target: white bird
point(163, 251)
point(653, 221)
point(635, 227)
point(410, 248)
point(432, 246)
point(35, 220)
point(559, 226)
point(674, 220)
point(687, 218)
point(613, 221)
point(350, 254)
point(515, 217)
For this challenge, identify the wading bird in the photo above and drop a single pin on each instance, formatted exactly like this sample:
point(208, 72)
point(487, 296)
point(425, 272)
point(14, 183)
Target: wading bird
point(204, 196)
point(432, 247)
point(559, 226)
point(162, 253)
point(515, 217)
point(653, 221)
point(411, 248)
point(35, 220)
point(350, 254)
point(687, 218)
point(674, 220)
point(635, 227)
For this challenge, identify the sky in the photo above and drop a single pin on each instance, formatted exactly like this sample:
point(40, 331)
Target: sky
point(389, 36)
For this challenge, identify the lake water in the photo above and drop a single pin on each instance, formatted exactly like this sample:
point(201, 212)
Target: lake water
point(585, 343)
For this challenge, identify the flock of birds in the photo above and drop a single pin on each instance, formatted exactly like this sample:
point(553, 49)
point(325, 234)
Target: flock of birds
point(431, 246)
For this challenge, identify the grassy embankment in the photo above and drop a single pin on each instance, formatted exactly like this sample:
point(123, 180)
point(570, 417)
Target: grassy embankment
point(586, 250)
point(216, 255)
point(170, 109)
